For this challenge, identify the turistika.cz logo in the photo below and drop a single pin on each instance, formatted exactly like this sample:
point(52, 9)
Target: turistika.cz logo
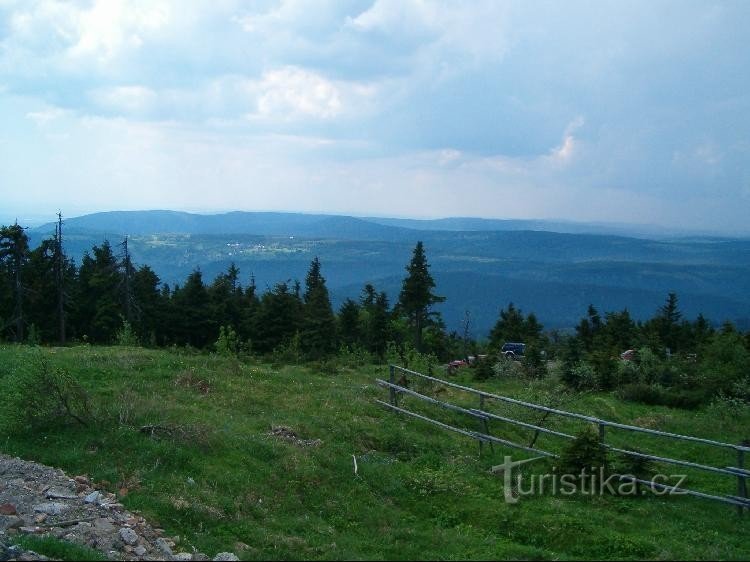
point(589, 482)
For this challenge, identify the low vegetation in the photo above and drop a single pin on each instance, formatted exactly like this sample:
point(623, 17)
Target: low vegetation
point(240, 455)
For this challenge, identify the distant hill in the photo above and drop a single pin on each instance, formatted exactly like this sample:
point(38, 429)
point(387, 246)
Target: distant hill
point(480, 265)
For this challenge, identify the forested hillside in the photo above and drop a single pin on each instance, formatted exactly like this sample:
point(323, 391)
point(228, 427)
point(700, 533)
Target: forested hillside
point(554, 274)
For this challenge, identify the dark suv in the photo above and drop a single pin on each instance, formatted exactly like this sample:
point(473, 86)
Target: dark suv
point(512, 350)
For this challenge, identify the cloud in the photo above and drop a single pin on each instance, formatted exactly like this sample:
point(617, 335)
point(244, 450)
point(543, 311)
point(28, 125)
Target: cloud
point(410, 101)
point(291, 92)
point(125, 99)
point(46, 115)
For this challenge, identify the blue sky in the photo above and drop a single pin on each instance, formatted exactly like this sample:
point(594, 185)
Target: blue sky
point(592, 111)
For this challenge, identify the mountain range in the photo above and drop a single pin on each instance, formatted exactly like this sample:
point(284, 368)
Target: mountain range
point(553, 269)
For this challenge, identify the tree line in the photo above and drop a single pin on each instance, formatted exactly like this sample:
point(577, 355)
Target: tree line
point(46, 298)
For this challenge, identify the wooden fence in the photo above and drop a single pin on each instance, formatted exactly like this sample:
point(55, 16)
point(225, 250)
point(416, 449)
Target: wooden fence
point(483, 417)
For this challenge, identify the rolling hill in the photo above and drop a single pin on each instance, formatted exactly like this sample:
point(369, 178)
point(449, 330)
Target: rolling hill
point(480, 265)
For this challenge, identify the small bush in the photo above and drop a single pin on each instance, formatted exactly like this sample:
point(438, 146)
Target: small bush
point(126, 335)
point(42, 397)
point(483, 369)
point(505, 368)
point(655, 395)
point(354, 356)
point(534, 364)
point(582, 376)
point(585, 454)
point(228, 343)
point(289, 353)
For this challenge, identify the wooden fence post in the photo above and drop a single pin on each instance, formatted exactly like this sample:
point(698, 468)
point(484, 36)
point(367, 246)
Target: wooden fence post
point(741, 479)
point(485, 425)
point(602, 433)
point(394, 401)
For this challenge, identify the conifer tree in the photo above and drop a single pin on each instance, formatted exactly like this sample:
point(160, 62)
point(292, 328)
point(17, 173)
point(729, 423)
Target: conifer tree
point(195, 324)
point(510, 327)
point(416, 298)
point(14, 253)
point(278, 318)
point(100, 304)
point(318, 331)
point(349, 330)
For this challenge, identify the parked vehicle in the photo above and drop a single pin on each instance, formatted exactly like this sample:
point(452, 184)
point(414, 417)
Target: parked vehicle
point(628, 355)
point(513, 350)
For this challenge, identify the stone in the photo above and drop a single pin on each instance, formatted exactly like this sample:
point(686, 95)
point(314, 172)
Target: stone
point(7, 509)
point(82, 480)
point(162, 545)
point(41, 518)
point(139, 550)
point(57, 493)
point(8, 522)
point(93, 497)
point(225, 557)
point(51, 508)
point(128, 536)
point(183, 556)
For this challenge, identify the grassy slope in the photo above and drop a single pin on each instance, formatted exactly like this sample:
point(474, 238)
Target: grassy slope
point(420, 492)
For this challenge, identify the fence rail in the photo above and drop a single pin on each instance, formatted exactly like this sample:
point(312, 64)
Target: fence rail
point(739, 472)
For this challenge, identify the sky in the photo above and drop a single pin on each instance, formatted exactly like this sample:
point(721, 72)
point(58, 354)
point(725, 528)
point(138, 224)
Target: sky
point(627, 112)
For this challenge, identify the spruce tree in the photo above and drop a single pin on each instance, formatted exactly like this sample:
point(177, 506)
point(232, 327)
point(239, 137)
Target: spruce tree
point(349, 330)
point(416, 297)
point(195, 324)
point(278, 318)
point(318, 331)
point(99, 313)
point(14, 253)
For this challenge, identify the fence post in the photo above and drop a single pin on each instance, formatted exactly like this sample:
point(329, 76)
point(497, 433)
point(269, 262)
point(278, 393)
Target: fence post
point(741, 480)
point(602, 433)
point(393, 390)
point(481, 406)
point(485, 425)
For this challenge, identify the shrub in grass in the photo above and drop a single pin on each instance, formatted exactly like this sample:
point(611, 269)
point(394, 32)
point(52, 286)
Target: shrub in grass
point(655, 395)
point(483, 369)
point(584, 455)
point(42, 396)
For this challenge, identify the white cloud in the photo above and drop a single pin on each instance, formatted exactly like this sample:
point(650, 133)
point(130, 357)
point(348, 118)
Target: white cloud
point(127, 99)
point(109, 27)
point(290, 93)
point(46, 115)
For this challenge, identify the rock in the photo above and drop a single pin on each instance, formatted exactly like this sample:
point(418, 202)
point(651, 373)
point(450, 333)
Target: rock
point(82, 480)
point(57, 493)
point(128, 536)
point(51, 508)
point(225, 557)
point(10, 522)
point(183, 556)
point(93, 497)
point(139, 550)
point(7, 509)
point(41, 518)
point(162, 545)
point(31, 530)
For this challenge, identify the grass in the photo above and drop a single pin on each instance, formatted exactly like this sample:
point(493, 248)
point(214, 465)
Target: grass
point(420, 492)
point(57, 549)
